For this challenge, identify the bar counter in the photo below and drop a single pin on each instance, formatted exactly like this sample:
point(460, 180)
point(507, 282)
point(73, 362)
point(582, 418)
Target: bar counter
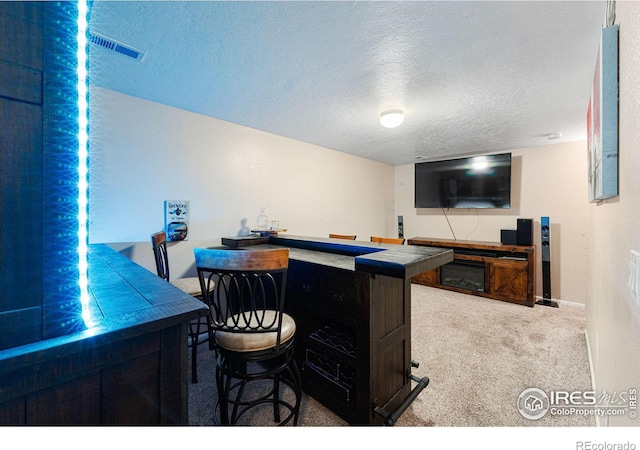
point(397, 261)
point(351, 301)
point(128, 367)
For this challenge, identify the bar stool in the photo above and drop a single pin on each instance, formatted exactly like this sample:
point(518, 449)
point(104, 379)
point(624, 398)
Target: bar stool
point(253, 336)
point(199, 331)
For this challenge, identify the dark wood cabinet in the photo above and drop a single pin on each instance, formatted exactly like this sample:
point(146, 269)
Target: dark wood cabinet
point(505, 272)
point(354, 339)
point(327, 350)
point(352, 307)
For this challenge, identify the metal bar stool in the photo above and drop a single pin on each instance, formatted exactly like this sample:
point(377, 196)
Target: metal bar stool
point(253, 336)
point(199, 330)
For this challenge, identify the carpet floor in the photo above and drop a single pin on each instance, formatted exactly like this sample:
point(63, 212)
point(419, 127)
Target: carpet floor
point(479, 355)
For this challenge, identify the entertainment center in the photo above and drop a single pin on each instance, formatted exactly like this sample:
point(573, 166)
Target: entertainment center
point(487, 269)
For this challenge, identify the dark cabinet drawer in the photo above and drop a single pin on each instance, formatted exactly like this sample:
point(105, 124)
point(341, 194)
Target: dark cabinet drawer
point(325, 290)
point(341, 295)
point(305, 284)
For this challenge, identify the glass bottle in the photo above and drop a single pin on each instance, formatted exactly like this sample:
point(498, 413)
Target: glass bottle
point(263, 220)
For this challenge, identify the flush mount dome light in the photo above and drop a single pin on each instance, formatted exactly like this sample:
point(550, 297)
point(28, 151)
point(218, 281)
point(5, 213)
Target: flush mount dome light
point(391, 118)
point(552, 136)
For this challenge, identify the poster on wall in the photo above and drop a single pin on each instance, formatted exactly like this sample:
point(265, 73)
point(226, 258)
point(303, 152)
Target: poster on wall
point(176, 219)
point(602, 120)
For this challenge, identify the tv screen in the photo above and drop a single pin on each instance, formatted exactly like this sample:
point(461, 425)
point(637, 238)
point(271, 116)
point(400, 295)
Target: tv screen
point(473, 182)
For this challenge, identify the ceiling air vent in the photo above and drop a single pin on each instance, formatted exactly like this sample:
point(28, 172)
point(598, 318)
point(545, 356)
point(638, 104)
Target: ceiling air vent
point(116, 46)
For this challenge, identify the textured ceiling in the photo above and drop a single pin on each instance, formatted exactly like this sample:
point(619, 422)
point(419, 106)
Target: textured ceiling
point(472, 77)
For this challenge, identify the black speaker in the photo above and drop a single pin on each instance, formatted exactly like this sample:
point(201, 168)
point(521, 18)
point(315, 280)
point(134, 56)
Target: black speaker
point(400, 227)
point(545, 238)
point(524, 233)
point(508, 237)
point(545, 246)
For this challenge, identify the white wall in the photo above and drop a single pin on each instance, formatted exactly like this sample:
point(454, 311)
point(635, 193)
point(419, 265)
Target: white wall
point(143, 153)
point(613, 319)
point(546, 181)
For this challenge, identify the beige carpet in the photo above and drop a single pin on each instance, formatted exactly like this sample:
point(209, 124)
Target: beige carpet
point(479, 355)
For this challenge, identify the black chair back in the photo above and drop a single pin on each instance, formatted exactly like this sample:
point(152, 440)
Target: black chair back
point(159, 245)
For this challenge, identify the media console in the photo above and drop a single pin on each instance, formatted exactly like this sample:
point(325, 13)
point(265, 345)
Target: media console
point(487, 269)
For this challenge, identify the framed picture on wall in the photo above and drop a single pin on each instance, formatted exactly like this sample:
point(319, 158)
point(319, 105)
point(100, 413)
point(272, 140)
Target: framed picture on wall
point(602, 120)
point(176, 219)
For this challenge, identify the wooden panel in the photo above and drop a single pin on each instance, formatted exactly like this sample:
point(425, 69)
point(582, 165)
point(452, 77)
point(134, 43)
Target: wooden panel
point(174, 391)
point(21, 39)
point(20, 326)
point(136, 381)
point(390, 342)
point(392, 385)
point(21, 186)
point(508, 279)
point(13, 412)
point(20, 83)
point(21, 33)
point(73, 403)
point(428, 278)
point(391, 307)
point(130, 392)
point(470, 245)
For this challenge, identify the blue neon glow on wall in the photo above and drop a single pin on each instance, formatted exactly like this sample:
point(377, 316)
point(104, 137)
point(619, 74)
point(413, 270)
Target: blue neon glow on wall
point(83, 154)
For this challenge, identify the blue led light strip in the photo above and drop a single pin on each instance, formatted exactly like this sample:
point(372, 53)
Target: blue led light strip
point(83, 153)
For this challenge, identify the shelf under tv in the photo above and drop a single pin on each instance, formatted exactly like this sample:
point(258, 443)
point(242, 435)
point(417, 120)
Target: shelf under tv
point(487, 269)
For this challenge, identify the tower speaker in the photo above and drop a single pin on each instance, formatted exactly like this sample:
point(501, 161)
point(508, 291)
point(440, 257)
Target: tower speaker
point(400, 227)
point(524, 233)
point(544, 238)
point(545, 245)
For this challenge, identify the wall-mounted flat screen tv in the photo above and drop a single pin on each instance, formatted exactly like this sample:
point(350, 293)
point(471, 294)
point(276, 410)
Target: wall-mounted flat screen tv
point(474, 182)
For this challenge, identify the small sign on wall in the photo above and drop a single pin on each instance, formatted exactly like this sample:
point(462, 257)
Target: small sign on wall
point(176, 219)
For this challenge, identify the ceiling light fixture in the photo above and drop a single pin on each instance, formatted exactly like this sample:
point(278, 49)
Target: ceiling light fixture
point(391, 118)
point(552, 136)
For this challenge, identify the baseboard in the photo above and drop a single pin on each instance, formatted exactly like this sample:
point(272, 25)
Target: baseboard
point(564, 302)
point(568, 303)
point(593, 375)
